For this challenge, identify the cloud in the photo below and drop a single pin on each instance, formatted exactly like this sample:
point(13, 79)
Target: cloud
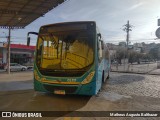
point(136, 6)
point(110, 16)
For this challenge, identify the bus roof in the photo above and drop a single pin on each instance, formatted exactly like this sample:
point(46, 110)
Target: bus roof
point(73, 22)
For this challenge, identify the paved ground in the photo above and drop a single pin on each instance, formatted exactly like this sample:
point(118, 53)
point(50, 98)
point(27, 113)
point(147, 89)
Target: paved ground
point(155, 72)
point(122, 92)
point(135, 68)
point(16, 76)
point(134, 84)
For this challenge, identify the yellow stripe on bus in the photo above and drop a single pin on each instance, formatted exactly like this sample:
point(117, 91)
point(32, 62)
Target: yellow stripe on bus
point(59, 82)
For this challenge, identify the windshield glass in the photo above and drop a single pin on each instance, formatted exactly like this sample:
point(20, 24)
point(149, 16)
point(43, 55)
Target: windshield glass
point(66, 50)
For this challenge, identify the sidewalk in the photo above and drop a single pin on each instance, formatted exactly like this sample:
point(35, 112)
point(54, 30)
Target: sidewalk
point(16, 76)
point(155, 72)
point(1, 70)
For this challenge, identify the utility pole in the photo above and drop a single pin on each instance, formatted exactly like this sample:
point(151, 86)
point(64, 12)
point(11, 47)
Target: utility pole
point(8, 62)
point(158, 36)
point(158, 30)
point(127, 28)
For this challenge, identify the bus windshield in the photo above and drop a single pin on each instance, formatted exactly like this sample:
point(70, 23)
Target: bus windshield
point(65, 50)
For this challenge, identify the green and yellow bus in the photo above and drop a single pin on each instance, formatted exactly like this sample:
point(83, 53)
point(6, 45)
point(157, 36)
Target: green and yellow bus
point(70, 58)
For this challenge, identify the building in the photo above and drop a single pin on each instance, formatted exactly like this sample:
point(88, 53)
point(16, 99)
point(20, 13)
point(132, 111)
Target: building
point(122, 44)
point(21, 54)
point(1, 52)
point(137, 47)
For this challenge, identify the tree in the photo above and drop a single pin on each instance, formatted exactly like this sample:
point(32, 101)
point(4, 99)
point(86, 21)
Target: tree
point(132, 56)
point(121, 54)
point(154, 53)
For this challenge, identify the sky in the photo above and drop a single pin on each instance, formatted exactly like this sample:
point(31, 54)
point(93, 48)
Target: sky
point(110, 17)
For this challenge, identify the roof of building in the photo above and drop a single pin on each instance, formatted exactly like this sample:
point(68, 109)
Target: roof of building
point(20, 46)
point(20, 13)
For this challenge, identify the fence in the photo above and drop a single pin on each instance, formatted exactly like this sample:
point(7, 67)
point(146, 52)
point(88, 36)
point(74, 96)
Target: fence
point(144, 68)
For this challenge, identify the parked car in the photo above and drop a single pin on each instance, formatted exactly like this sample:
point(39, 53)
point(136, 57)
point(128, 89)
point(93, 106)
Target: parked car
point(114, 62)
point(2, 66)
point(16, 67)
point(30, 68)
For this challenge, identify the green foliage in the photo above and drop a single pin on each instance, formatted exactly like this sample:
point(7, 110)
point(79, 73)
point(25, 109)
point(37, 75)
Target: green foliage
point(120, 54)
point(134, 57)
point(154, 53)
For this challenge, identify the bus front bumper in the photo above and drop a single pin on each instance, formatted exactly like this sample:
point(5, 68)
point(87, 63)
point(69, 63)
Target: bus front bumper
point(85, 89)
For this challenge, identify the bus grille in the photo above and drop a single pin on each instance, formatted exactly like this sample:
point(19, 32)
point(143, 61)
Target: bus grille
point(68, 90)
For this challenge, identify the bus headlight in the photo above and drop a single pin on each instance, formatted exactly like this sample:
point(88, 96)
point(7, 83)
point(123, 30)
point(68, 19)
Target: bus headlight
point(88, 78)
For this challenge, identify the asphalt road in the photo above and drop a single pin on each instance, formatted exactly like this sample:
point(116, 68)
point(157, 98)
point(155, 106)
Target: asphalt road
point(122, 92)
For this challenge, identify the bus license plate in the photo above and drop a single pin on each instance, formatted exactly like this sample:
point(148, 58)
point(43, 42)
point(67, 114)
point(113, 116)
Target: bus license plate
point(60, 92)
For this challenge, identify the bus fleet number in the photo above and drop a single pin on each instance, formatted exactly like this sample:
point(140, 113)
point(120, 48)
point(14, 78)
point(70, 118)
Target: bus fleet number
point(71, 80)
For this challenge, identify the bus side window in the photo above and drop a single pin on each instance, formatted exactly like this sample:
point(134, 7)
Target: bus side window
point(107, 54)
point(40, 49)
point(99, 47)
point(102, 45)
point(40, 46)
point(100, 42)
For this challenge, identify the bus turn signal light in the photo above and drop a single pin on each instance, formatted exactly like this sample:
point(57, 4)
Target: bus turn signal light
point(88, 78)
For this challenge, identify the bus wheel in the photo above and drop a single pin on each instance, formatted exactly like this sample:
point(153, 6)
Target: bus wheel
point(103, 80)
point(108, 75)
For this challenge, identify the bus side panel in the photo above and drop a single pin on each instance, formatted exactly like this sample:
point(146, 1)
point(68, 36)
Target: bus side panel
point(106, 62)
point(38, 86)
point(102, 66)
point(106, 68)
point(100, 74)
point(88, 89)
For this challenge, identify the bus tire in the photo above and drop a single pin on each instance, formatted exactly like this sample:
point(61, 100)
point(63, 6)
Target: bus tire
point(103, 80)
point(108, 75)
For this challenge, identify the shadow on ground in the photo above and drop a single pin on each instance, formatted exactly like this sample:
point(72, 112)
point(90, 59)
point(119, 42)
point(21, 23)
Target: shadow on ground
point(125, 79)
point(29, 100)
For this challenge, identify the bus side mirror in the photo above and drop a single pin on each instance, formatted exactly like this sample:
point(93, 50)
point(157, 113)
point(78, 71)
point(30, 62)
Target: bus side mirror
point(28, 38)
point(102, 44)
point(28, 41)
point(99, 45)
point(99, 35)
point(99, 39)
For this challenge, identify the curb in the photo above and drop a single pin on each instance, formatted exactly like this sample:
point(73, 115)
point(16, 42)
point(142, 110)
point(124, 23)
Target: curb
point(147, 73)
